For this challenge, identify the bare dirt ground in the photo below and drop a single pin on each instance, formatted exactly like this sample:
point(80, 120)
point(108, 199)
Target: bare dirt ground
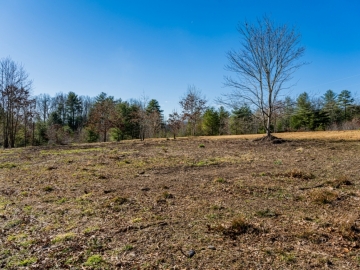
point(196, 203)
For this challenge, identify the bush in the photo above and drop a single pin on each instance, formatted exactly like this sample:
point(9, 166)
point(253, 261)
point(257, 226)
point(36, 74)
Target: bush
point(91, 136)
point(116, 134)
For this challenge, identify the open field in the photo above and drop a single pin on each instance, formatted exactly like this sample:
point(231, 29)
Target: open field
point(238, 204)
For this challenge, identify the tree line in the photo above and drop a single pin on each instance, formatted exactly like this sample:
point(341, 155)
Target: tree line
point(65, 118)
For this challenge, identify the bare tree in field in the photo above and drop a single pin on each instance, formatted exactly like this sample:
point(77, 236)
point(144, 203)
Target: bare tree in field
point(175, 122)
point(193, 105)
point(267, 59)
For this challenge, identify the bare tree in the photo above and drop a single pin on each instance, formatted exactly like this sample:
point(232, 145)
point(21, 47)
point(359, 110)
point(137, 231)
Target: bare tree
point(265, 62)
point(43, 105)
point(174, 122)
point(101, 114)
point(14, 96)
point(86, 103)
point(58, 107)
point(193, 105)
point(141, 116)
point(28, 114)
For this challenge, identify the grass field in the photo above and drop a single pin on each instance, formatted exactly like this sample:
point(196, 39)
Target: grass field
point(234, 203)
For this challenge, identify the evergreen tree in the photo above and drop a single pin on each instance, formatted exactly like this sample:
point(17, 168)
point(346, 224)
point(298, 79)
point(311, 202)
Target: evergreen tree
point(73, 109)
point(241, 120)
point(153, 106)
point(155, 118)
point(304, 115)
point(331, 107)
point(211, 121)
point(344, 101)
point(128, 111)
point(224, 120)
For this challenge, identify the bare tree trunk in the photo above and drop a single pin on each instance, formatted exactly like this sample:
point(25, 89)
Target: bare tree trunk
point(268, 124)
point(33, 134)
point(268, 132)
point(25, 124)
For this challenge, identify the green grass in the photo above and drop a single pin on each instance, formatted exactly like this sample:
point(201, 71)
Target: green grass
point(127, 248)
point(278, 162)
point(7, 165)
point(220, 180)
point(94, 261)
point(91, 230)
point(63, 237)
point(27, 261)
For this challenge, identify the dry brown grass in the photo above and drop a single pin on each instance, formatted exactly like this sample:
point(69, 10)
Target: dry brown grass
point(348, 135)
point(238, 204)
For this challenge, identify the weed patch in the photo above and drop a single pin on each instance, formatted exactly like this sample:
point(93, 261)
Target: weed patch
point(220, 180)
point(323, 196)
point(94, 261)
point(267, 213)
point(341, 181)
point(296, 173)
point(128, 248)
point(63, 237)
point(7, 165)
point(236, 227)
point(27, 262)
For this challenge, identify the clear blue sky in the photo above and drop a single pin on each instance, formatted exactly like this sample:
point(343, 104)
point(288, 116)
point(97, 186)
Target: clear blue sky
point(158, 48)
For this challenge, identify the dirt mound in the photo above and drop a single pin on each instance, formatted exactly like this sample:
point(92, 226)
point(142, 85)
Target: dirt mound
point(270, 139)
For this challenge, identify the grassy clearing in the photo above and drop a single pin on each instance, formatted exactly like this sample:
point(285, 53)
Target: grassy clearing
point(232, 204)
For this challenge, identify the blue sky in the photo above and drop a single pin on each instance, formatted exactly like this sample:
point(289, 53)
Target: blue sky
point(157, 48)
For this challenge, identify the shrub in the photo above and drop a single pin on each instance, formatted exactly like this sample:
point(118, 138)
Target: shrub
point(91, 136)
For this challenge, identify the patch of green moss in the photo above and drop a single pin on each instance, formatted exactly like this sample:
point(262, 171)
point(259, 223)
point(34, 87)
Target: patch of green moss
point(94, 261)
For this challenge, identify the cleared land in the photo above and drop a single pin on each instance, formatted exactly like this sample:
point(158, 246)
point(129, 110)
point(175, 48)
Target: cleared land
point(238, 204)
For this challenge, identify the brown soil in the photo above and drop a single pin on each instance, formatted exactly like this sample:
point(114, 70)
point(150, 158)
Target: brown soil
point(236, 203)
